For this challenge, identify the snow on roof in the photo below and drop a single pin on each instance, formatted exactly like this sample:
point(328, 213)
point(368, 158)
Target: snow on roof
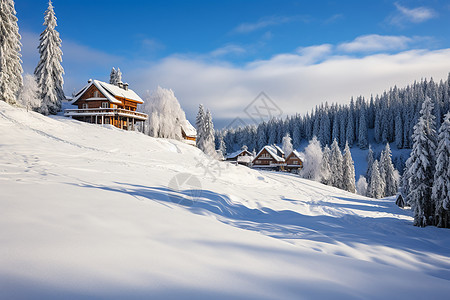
point(120, 92)
point(278, 149)
point(188, 129)
point(236, 153)
point(296, 153)
point(273, 152)
point(110, 91)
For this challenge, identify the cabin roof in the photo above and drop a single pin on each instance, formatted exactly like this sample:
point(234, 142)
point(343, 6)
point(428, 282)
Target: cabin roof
point(273, 152)
point(188, 129)
point(110, 91)
point(236, 153)
point(297, 154)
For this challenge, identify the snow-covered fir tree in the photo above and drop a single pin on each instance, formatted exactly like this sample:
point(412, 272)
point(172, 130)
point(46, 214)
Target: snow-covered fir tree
point(296, 135)
point(208, 131)
point(262, 136)
point(29, 94)
point(49, 72)
point(348, 171)
point(441, 184)
point(388, 172)
point(200, 125)
point(422, 167)
point(10, 62)
point(350, 129)
point(313, 161)
point(370, 160)
point(399, 130)
point(222, 146)
point(336, 127)
point(361, 186)
point(165, 114)
point(363, 137)
point(336, 161)
point(376, 185)
point(287, 145)
point(325, 170)
point(342, 132)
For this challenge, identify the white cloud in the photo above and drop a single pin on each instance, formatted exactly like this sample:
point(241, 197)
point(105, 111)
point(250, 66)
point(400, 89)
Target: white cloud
point(413, 15)
point(228, 49)
point(375, 42)
point(291, 80)
point(334, 18)
point(265, 22)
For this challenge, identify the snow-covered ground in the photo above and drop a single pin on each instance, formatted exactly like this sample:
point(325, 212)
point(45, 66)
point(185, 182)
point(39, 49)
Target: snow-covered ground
point(92, 212)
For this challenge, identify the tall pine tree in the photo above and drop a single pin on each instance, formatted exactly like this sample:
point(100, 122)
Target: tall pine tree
point(49, 72)
point(200, 125)
point(363, 137)
point(388, 172)
point(441, 185)
point(10, 63)
point(325, 167)
point(422, 166)
point(376, 185)
point(348, 171)
point(336, 165)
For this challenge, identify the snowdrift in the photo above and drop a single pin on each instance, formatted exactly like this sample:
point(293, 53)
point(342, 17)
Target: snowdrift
point(93, 212)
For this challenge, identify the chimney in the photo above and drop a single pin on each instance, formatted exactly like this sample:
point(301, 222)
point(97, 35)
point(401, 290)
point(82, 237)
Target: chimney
point(125, 86)
point(90, 80)
point(120, 84)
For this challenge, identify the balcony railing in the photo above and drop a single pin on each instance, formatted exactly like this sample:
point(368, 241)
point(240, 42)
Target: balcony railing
point(113, 112)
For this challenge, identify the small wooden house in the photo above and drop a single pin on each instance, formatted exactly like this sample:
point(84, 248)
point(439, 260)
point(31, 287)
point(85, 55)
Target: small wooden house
point(103, 103)
point(188, 132)
point(269, 157)
point(242, 157)
point(293, 162)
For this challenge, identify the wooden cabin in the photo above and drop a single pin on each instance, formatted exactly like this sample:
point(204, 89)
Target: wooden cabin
point(293, 162)
point(188, 132)
point(269, 157)
point(242, 157)
point(103, 103)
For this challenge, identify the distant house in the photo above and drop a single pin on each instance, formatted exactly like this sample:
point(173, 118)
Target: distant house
point(188, 132)
point(242, 157)
point(293, 162)
point(103, 103)
point(270, 157)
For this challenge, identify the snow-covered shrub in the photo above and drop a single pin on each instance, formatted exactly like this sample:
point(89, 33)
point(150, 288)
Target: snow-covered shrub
point(29, 94)
point(361, 186)
point(313, 161)
point(165, 114)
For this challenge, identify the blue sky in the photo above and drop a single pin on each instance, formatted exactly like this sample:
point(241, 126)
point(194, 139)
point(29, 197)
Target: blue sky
point(223, 53)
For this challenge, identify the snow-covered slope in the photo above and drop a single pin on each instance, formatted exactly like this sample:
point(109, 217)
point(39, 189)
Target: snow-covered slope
point(98, 212)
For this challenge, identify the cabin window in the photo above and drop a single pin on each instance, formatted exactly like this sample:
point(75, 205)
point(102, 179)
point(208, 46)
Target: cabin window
point(84, 106)
point(96, 94)
point(105, 105)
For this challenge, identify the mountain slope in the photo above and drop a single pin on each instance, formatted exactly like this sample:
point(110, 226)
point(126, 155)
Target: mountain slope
point(92, 212)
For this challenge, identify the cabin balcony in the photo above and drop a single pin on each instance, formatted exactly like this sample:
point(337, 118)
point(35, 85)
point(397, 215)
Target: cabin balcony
point(105, 112)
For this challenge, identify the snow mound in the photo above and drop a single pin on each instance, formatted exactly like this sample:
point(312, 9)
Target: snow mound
point(89, 211)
